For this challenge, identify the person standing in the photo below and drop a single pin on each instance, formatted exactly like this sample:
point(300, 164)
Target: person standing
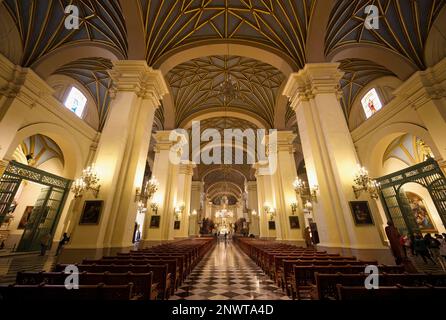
point(422, 249)
point(44, 240)
point(307, 235)
point(394, 239)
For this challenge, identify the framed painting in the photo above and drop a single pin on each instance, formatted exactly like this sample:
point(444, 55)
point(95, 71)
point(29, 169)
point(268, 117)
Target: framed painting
point(155, 222)
point(176, 225)
point(294, 222)
point(361, 213)
point(272, 225)
point(91, 212)
point(25, 217)
point(420, 212)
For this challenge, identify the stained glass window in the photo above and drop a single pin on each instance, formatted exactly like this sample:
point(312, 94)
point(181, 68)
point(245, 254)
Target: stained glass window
point(371, 103)
point(76, 102)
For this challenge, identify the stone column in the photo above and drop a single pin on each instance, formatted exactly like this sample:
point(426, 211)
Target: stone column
point(167, 174)
point(283, 186)
point(121, 154)
point(195, 204)
point(426, 92)
point(186, 171)
point(265, 196)
point(330, 157)
point(253, 205)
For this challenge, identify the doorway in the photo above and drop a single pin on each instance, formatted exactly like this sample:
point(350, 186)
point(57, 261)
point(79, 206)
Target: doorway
point(45, 213)
point(399, 207)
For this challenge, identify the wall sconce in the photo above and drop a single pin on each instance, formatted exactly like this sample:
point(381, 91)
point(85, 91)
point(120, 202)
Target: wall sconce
point(305, 192)
point(293, 206)
point(254, 213)
point(269, 211)
point(193, 213)
point(148, 191)
point(309, 206)
point(154, 206)
point(178, 211)
point(363, 182)
point(88, 181)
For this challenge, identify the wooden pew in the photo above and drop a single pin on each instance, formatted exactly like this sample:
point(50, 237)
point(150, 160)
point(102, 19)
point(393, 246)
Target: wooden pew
point(61, 293)
point(391, 293)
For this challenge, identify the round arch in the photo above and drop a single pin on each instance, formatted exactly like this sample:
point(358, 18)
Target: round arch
point(48, 64)
point(218, 169)
point(228, 183)
point(400, 66)
point(381, 139)
point(217, 113)
point(222, 145)
point(69, 146)
point(196, 50)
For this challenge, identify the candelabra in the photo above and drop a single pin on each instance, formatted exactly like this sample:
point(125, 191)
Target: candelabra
point(88, 181)
point(363, 182)
point(178, 211)
point(148, 191)
point(154, 206)
point(269, 211)
point(293, 207)
point(304, 192)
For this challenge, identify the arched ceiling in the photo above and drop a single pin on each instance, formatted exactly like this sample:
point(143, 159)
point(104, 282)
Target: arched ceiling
point(92, 73)
point(358, 73)
point(40, 149)
point(404, 26)
point(280, 25)
point(196, 86)
point(42, 28)
point(409, 149)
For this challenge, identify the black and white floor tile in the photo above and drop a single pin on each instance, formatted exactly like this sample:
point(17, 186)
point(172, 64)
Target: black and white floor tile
point(227, 273)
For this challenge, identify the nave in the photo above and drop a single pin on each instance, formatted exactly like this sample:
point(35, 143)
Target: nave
point(228, 274)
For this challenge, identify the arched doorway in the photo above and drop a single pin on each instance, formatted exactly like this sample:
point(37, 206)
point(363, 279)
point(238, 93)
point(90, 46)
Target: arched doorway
point(397, 203)
point(32, 193)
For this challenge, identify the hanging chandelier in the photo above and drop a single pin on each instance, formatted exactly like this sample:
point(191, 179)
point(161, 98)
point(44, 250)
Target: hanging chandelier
point(228, 88)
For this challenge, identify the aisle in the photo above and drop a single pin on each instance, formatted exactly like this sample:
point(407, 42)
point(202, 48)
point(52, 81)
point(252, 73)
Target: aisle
point(228, 274)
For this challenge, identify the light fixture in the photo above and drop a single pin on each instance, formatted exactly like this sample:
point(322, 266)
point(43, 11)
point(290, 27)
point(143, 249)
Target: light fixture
point(271, 212)
point(305, 192)
point(178, 211)
point(254, 213)
point(309, 206)
point(193, 213)
point(154, 206)
point(363, 182)
point(148, 191)
point(88, 181)
point(293, 207)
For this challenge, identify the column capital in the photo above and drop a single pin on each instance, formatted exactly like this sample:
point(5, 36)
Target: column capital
point(258, 166)
point(162, 140)
point(136, 76)
point(424, 86)
point(187, 168)
point(313, 79)
point(285, 141)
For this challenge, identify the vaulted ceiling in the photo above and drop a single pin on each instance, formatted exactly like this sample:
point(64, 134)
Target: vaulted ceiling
point(296, 31)
point(196, 86)
point(280, 25)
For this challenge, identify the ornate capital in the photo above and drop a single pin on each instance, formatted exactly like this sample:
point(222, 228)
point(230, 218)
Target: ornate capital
point(285, 141)
point(315, 78)
point(136, 76)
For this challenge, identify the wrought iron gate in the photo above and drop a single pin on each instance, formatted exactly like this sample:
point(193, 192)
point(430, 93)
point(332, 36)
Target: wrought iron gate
point(429, 175)
point(47, 209)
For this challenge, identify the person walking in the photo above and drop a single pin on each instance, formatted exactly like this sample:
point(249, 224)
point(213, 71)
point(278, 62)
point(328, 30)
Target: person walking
point(442, 240)
point(63, 241)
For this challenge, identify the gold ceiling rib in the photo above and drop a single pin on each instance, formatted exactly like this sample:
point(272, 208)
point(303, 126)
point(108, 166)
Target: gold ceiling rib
point(196, 86)
point(42, 28)
point(281, 24)
point(404, 26)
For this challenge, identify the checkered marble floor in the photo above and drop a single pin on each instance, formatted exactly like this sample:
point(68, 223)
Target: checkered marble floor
point(228, 274)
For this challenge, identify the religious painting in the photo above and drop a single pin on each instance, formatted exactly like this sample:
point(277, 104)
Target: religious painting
point(361, 213)
point(155, 222)
point(25, 217)
point(272, 225)
point(294, 222)
point(91, 212)
point(420, 212)
point(176, 225)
